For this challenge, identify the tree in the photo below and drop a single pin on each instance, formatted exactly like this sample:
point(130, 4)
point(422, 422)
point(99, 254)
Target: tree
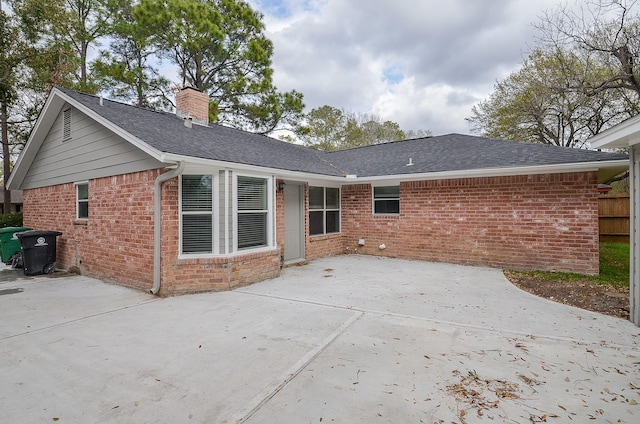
point(80, 25)
point(364, 129)
point(605, 34)
point(536, 104)
point(126, 69)
point(580, 80)
point(328, 128)
point(220, 48)
point(30, 61)
point(325, 128)
point(419, 133)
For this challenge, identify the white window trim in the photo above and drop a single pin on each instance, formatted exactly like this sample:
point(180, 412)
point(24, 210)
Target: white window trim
point(214, 229)
point(373, 199)
point(79, 183)
point(230, 202)
point(270, 212)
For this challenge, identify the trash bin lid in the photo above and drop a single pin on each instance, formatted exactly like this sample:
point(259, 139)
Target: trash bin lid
point(38, 233)
point(13, 229)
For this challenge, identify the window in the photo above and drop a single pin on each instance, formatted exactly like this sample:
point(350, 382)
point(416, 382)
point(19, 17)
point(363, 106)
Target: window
point(386, 200)
point(324, 210)
point(253, 211)
point(222, 213)
point(197, 214)
point(82, 205)
point(66, 125)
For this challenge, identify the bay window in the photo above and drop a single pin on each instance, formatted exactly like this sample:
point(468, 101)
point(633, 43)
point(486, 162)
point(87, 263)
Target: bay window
point(222, 213)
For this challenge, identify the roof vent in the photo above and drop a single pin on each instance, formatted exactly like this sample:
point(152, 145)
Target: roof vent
point(188, 121)
point(410, 163)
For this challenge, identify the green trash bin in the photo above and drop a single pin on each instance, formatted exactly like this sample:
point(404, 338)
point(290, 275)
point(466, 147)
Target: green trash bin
point(9, 243)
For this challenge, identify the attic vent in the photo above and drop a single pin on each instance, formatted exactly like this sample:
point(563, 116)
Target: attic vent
point(66, 126)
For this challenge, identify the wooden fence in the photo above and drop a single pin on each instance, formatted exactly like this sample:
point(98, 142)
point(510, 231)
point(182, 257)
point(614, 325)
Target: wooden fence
point(613, 217)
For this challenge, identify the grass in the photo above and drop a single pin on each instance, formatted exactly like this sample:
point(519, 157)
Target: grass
point(614, 269)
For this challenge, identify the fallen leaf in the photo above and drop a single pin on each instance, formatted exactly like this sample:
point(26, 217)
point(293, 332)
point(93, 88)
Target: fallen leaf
point(633, 402)
point(562, 407)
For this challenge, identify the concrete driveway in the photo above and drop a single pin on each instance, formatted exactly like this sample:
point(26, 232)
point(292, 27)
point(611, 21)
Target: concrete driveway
point(340, 340)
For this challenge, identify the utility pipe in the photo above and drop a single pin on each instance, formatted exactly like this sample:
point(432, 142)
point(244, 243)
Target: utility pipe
point(157, 223)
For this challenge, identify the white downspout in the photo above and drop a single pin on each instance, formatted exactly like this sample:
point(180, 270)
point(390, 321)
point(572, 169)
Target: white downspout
point(157, 223)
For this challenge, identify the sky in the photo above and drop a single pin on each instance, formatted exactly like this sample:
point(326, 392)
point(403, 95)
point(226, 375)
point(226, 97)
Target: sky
point(421, 63)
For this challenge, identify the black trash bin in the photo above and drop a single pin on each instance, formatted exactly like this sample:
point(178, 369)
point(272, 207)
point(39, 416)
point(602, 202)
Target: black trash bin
point(38, 251)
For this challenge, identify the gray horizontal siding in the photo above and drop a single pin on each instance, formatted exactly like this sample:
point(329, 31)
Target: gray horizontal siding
point(92, 152)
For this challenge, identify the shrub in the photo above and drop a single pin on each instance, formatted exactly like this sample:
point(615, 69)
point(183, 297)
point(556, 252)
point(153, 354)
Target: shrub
point(11, 220)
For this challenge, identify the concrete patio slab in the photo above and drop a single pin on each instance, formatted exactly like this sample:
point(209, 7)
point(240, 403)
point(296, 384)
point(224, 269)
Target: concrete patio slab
point(344, 339)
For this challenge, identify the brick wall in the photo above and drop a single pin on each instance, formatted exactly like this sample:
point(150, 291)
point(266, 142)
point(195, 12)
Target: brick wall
point(547, 222)
point(280, 219)
point(116, 242)
point(181, 276)
point(320, 246)
point(521, 222)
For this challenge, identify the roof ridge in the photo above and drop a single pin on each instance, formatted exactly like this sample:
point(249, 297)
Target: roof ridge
point(107, 99)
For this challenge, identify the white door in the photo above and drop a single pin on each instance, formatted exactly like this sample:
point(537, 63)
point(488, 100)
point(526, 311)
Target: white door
point(293, 224)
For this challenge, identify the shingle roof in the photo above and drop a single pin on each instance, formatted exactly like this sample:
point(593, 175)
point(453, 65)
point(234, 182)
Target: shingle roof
point(166, 133)
point(453, 152)
point(457, 152)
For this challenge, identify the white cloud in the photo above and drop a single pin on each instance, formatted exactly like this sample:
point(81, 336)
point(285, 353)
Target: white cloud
point(423, 64)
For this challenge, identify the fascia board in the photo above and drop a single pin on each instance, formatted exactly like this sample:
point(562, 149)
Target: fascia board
point(493, 172)
point(52, 107)
point(280, 173)
point(351, 179)
point(625, 134)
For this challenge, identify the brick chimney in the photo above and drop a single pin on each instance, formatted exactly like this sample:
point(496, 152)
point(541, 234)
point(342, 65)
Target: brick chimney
point(193, 104)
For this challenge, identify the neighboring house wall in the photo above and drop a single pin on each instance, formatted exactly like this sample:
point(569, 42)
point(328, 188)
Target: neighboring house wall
point(546, 222)
point(84, 151)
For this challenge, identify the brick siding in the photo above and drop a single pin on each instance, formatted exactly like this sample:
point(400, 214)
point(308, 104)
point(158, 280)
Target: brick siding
point(116, 242)
point(545, 222)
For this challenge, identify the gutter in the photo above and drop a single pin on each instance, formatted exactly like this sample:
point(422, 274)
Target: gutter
point(157, 223)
